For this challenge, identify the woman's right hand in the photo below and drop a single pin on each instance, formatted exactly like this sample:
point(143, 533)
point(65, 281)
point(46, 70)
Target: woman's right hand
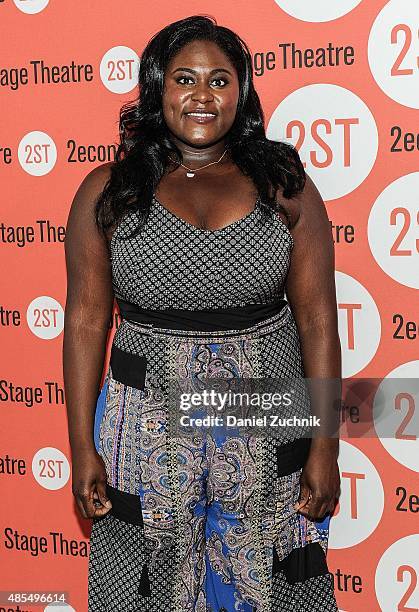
point(89, 484)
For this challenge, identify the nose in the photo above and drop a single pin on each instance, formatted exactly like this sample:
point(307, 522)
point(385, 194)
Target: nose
point(202, 93)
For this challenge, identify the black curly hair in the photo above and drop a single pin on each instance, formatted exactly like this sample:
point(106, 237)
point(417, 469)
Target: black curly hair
point(145, 144)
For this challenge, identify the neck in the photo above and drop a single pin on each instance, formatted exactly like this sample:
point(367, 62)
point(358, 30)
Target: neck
point(193, 157)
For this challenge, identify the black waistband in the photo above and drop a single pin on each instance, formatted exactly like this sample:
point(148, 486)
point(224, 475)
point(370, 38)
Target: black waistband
point(239, 317)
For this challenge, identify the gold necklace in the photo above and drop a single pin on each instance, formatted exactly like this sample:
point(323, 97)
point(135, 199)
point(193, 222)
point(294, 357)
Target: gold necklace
point(191, 171)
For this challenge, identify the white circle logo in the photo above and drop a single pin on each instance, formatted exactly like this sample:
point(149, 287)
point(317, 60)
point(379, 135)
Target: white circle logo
point(51, 468)
point(359, 324)
point(45, 317)
point(396, 414)
point(361, 502)
point(334, 132)
point(396, 576)
point(393, 50)
point(393, 230)
point(321, 10)
point(31, 6)
point(37, 153)
point(61, 607)
point(119, 69)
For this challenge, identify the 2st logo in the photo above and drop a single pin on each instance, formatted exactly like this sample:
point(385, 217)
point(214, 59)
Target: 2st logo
point(338, 145)
point(119, 69)
point(361, 503)
point(393, 52)
point(319, 11)
point(396, 414)
point(396, 576)
point(31, 7)
point(37, 153)
point(50, 468)
point(45, 317)
point(359, 324)
point(393, 230)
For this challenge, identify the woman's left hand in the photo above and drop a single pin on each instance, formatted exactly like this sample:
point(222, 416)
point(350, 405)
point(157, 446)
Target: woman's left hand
point(319, 484)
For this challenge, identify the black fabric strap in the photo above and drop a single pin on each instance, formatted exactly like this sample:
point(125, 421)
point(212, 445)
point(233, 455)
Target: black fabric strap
point(128, 368)
point(125, 506)
point(202, 320)
point(292, 456)
point(144, 586)
point(302, 563)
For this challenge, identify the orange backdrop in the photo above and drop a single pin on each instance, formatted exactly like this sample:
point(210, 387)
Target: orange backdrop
point(338, 80)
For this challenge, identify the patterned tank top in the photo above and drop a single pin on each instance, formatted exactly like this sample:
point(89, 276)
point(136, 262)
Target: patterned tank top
point(174, 264)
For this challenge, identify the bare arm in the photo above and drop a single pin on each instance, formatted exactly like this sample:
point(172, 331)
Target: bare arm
point(88, 312)
point(311, 292)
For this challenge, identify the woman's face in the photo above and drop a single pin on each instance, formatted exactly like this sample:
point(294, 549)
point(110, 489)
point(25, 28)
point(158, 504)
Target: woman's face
point(200, 78)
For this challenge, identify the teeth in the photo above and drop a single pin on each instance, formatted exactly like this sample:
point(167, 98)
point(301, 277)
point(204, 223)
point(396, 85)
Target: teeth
point(201, 114)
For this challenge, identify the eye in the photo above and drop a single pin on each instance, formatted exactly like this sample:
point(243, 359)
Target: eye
point(182, 78)
point(221, 79)
point(188, 78)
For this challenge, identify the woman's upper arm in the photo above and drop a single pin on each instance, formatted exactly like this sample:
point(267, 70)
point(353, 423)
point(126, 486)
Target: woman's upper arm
point(310, 285)
point(89, 277)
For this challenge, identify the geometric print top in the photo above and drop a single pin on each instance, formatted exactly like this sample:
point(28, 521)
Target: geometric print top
point(173, 264)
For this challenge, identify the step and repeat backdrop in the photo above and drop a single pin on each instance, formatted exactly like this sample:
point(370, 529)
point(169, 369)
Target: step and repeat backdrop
point(337, 79)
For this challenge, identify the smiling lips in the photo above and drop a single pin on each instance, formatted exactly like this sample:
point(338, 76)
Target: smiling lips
point(201, 116)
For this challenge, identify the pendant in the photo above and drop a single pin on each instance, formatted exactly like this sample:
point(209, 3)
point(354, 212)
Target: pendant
point(190, 174)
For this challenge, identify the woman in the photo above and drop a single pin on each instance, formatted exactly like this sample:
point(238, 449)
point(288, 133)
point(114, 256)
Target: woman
point(186, 231)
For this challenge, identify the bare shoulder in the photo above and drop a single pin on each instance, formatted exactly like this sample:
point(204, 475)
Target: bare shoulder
point(94, 182)
point(306, 208)
point(81, 216)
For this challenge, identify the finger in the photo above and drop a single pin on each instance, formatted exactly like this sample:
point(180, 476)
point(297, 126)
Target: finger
point(78, 500)
point(82, 501)
point(100, 499)
point(314, 508)
point(102, 494)
point(331, 507)
point(322, 510)
point(303, 498)
point(100, 510)
point(87, 500)
point(81, 494)
point(81, 507)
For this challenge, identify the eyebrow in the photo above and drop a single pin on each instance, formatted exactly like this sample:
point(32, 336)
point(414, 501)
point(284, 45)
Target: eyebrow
point(184, 69)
